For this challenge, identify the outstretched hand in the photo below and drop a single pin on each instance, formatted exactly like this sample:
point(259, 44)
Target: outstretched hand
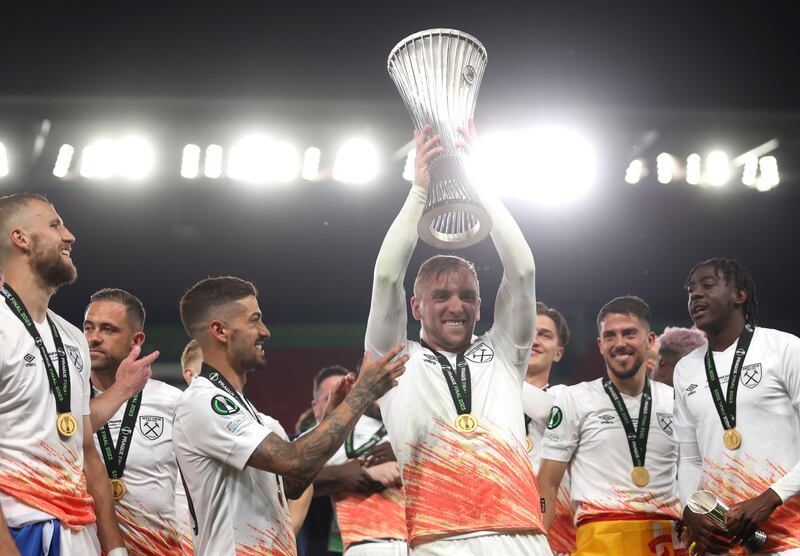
point(378, 377)
point(470, 135)
point(427, 147)
point(339, 393)
point(133, 373)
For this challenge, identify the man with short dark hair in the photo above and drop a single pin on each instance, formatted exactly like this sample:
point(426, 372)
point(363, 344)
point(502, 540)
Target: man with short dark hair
point(136, 442)
point(53, 486)
point(238, 464)
point(737, 402)
point(615, 434)
point(549, 344)
point(455, 421)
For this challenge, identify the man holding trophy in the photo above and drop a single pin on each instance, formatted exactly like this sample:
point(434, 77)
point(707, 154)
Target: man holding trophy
point(736, 405)
point(455, 420)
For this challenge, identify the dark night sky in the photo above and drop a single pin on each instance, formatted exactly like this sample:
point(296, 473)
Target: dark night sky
point(312, 250)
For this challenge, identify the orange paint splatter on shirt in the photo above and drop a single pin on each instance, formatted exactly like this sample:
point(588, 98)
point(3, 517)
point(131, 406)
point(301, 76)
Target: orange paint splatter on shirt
point(271, 543)
point(59, 490)
point(371, 516)
point(145, 538)
point(736, 479)
point(628, 503)
point(459, 483)
point(562, 531)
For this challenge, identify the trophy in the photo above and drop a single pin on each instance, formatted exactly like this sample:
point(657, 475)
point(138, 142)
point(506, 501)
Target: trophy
point(704, 502)
point(438, 73)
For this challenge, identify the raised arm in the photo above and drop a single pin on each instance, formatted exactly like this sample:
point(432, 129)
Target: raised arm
point(515, 307)
point(301, 460)
point(387, 314)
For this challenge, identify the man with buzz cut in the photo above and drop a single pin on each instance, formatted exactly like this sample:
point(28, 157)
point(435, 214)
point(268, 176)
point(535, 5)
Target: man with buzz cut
point(538, 393)
point(136, 441)
point(54, 491)
point(455, 421)
point(737, 401)
point(615, 434)
point(238, 464)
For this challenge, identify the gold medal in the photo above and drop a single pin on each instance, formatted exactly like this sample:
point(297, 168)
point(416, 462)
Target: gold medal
point(528, 443)
point(466, 422)
point(118, 488)
point(66, 424)
point(640, 476)
point(732, 439)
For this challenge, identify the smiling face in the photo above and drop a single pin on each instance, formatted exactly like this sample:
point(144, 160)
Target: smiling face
point(448, 305)
point(246, 333)
point(623, 342)
point(50, 245)
point(713, 301)
point(546, 348)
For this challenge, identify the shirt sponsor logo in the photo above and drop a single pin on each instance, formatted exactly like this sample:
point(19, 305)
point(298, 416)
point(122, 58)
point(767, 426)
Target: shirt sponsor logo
point(235, 423)
point(152, 426)
point(555, 417)
point(223, 405)
point(606, 419)
point(751, 375)
point(480, 353)
point(665, 422)
point(431, 359)
point(75, 358)
point(29, 360)
point(691, 390)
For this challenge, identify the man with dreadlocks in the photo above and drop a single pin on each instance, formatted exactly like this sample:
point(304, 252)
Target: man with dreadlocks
point(736, 404)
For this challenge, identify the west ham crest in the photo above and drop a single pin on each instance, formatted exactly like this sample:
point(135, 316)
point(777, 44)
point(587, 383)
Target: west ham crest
point(75, 358)
point(151, 426)
point(751, 375)
point(480, 354)
point(665, 422)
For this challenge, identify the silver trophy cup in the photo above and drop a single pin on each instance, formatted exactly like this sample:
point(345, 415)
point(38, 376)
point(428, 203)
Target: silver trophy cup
point(438, 73)
point(704, 502)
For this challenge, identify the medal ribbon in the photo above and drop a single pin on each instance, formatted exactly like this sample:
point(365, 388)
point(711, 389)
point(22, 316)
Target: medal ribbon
point(637, 439)
point(358, 452)
point(726, 407)
point(216, 378)
point(116, 456)
point(458, 380)
point(59, 380)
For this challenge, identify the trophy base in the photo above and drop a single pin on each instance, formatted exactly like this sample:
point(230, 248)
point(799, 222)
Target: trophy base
point(454, 225)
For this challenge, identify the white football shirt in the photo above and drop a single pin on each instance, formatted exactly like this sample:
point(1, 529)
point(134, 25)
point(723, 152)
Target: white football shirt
point(146, 513)
point(238, 508)
point(41, 473)
point(584, 429)
point(767, 403)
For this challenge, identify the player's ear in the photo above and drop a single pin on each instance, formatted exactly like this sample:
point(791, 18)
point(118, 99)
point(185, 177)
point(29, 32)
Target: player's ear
point(415, 308)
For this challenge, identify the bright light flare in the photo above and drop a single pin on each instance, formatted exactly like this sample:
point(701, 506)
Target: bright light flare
point(213, 164)
point(635, 171)
point(3, 161)
point(99, 160)
point(190, 161)
point(131, 157)
point(311, 160)
point(693, 169)
point(718, 169)
point(63, 160)
point(408, 168)
point(750, 171)
point(548, 165)
point(260, 159)
point(769, 178)
point(665, 168)
point(357, 161)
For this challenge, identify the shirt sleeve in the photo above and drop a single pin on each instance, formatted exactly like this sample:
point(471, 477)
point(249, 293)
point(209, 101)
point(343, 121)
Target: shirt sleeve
point(515, 305)
point(789, 485)
point(536, 403)
point(386, 325)
point(230, 434)
point(690, 467)
point(562, 431)
point(685, 431)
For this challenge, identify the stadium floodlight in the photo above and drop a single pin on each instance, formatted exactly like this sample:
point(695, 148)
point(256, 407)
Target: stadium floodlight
point(190, 161)
point(63, 160)
point(718, 169)
point(99, 159)
point(549, 165)
point(769, 178)
point(3, 161)
point(693, 169)
point(212, 167)
point(750, 171)
point(260, 159)
point(311, 160)
point(135, 157)
point(635, 171)
point(356, 161)
point(665, 168)
point(408, 168)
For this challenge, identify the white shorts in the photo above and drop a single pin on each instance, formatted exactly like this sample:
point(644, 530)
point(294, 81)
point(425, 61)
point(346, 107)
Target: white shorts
point(380, 548)
point(487, 545)
point(80, 543)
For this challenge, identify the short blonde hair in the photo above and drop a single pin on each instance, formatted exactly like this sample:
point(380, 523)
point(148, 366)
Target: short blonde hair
point(441, 264)
point(191, 353)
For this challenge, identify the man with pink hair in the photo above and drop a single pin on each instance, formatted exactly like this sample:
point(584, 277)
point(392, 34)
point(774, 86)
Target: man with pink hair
point(674, 343)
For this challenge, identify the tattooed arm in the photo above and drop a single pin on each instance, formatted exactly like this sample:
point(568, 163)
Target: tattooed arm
point(299, 461)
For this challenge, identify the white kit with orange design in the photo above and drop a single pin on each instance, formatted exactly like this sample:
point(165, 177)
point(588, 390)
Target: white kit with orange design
point(147, 513)
point(767, 405)
point(368, 521)
point(239, 509)
point(584, 429)
point(41, 473)
point(466, 492)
